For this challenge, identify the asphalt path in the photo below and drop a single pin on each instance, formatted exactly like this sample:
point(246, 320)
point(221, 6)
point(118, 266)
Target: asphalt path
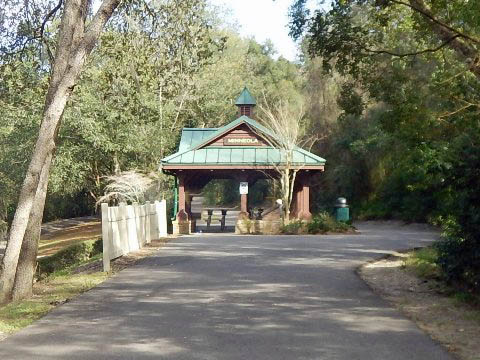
point(239, 297)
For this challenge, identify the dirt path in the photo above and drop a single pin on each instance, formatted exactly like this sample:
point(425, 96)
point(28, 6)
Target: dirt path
point(451, 322)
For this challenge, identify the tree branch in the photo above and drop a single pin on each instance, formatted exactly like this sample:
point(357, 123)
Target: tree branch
point(98, 22)
point(422, 9)
point(49, 15)
point(456, 111)
point(445, 32)
point(388, 52)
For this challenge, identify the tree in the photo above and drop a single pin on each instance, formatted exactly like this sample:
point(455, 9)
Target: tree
point(75, 42)
point(144, 67)
point(352, 32)
point(286, 124)
point(410, 120)
point(136, 91)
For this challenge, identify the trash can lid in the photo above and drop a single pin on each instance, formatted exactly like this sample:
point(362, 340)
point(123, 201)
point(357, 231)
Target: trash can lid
point(341, 200)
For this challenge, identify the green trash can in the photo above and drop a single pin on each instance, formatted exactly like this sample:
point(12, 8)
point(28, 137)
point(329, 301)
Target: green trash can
point(342, 211)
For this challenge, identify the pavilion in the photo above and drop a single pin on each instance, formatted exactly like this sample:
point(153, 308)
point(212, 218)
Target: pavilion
point(240, 151)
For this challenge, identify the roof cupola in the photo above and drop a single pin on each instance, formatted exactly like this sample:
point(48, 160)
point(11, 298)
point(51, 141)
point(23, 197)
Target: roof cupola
point(245, 103)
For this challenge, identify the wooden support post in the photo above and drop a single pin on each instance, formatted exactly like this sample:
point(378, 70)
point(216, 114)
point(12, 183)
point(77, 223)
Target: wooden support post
point(182, 224)
point(182, 203)
point(244, 203)
point(303, 199)
point(243, 198)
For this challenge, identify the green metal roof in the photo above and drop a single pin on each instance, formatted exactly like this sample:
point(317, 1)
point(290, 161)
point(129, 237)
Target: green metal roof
point(192, 151)
point(239, 155)
point(191, 137)
point(245, 98)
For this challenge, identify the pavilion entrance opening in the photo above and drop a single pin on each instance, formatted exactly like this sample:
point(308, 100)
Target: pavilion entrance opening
point(217, 207)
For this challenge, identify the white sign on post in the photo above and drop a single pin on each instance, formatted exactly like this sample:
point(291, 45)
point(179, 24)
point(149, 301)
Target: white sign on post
point(243, 188)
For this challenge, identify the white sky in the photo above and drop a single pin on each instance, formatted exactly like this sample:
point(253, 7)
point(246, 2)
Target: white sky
point(264, 19)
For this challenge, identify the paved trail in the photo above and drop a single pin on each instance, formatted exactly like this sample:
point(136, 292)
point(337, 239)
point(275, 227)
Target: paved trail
point(231, 297)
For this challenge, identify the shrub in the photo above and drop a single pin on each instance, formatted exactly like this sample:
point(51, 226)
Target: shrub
point(70, 256)
point(323, 223)
point(295, 227)
point(459, 256)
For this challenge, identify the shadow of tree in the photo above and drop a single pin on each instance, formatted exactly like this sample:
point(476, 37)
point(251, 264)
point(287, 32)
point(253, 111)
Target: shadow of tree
point(248, 297)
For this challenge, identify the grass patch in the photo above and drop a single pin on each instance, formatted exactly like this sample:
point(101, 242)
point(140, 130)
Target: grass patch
point(69, 257)
point(423, 263)
point(16, 316)
point(55, 289)
point(57, 283)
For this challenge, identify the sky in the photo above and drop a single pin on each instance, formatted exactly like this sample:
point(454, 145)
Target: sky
point(264, 19)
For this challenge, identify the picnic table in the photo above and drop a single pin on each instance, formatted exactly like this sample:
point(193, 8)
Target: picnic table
point(223, 211)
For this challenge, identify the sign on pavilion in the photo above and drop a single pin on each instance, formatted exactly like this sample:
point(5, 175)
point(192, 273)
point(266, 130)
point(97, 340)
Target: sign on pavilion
point(237, 151)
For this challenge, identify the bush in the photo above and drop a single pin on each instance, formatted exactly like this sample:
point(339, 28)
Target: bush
point(323, 223)
point(320, 224)
point(459, 256)
point(295, 227)
point(70, 256)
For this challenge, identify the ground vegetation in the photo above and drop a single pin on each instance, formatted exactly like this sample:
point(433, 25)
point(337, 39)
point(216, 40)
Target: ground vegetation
point(405, 144)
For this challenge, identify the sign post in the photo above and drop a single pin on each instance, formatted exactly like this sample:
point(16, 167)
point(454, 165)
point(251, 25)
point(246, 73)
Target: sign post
point(243, 188)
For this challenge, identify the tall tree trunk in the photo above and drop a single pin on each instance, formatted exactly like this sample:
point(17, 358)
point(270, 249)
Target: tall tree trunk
point(74, 45)
point(27, 260)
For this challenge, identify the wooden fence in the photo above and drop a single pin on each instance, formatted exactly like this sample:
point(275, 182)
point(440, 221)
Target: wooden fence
point(127, 228)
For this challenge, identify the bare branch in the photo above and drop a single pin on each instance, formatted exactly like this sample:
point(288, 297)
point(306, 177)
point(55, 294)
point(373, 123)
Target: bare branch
point(457, 111)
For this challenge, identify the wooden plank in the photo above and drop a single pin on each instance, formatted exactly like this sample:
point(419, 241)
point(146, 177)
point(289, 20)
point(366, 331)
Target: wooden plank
point(163, 218)
point(106, 239)
point(148, 236)
point(117, 249)
point(123, 228)
point(133, 243)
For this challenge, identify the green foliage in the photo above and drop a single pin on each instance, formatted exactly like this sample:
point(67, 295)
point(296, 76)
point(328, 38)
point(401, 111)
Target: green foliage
point(17, 315)
point(70, 256)
point(423, 263)
point(258, 193)
point(320, 224)
point(295, 227)
point(49, 292)
point(221, 193)
point(324, 222)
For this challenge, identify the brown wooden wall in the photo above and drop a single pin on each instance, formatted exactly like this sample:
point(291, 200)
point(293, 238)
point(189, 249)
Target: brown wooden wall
point(242, 131)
